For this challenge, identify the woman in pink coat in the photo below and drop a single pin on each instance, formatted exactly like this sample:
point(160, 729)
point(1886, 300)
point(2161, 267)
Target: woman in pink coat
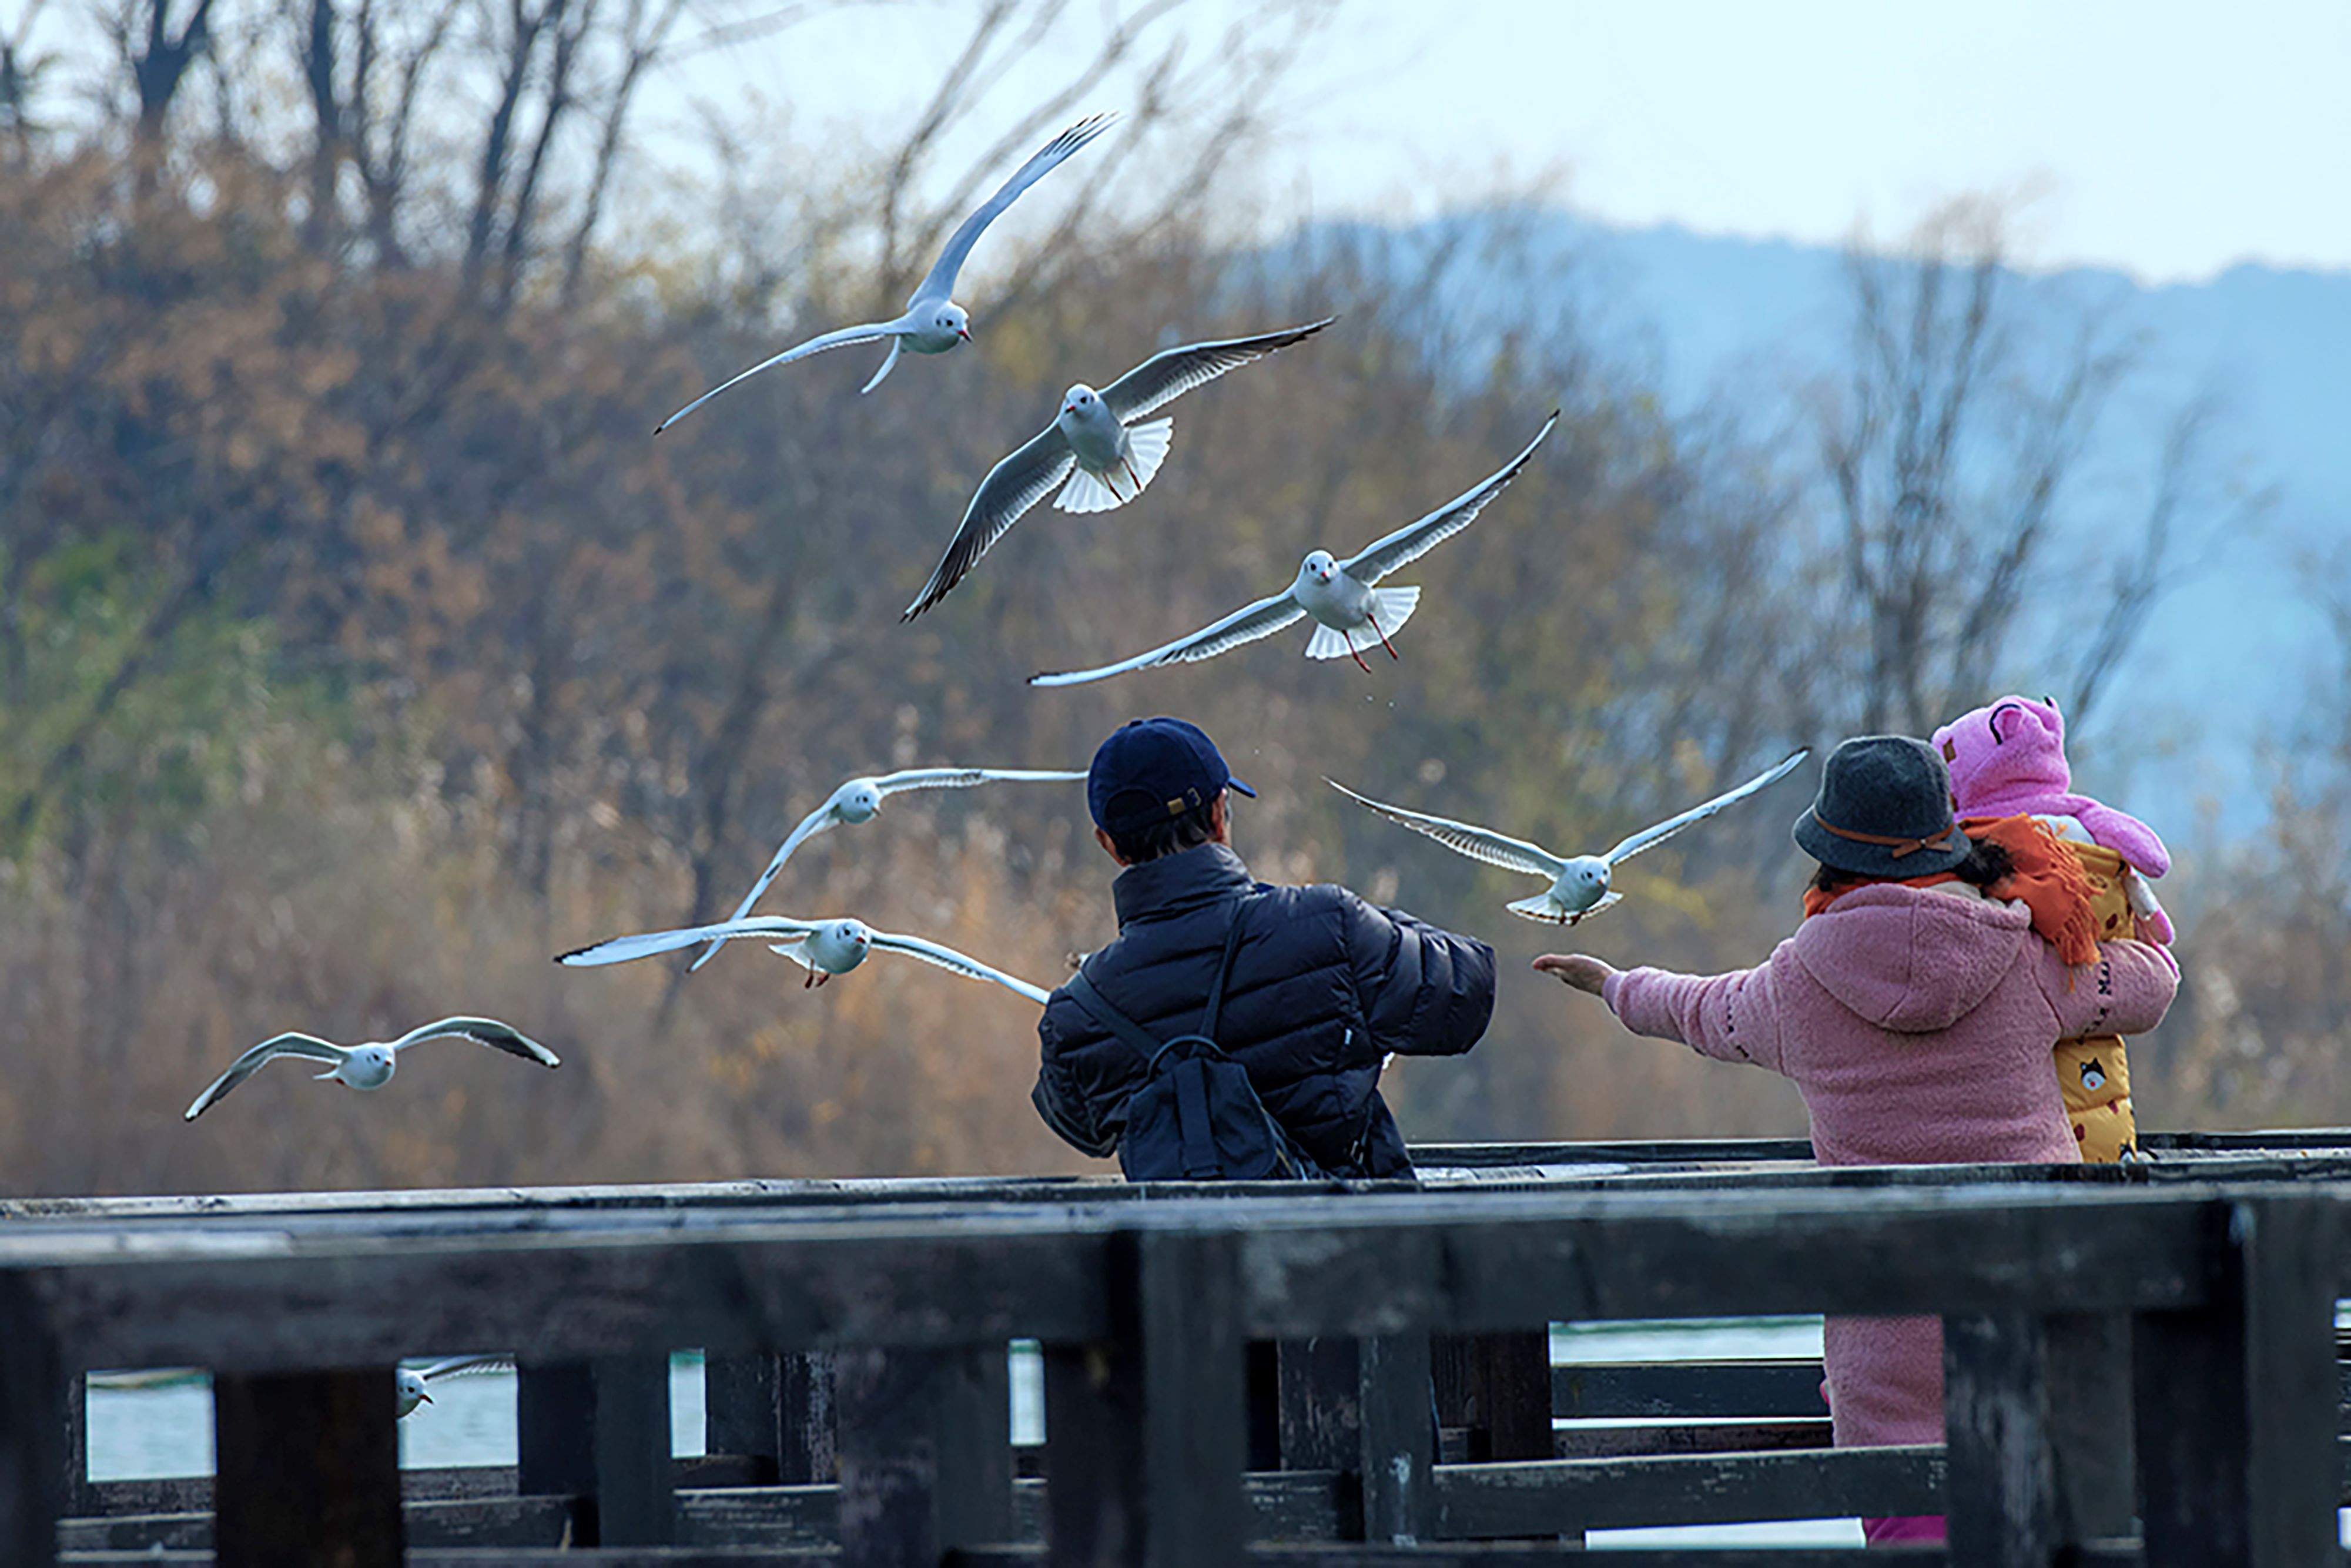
point(1914, 1009)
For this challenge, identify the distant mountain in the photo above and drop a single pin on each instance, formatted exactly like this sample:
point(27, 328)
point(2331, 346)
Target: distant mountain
point(2228, 658)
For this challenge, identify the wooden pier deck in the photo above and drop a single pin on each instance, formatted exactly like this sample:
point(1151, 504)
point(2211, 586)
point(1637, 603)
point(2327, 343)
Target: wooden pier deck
point(2142, 1363)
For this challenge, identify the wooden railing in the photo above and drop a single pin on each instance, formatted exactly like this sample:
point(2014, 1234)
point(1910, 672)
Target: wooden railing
point(2153, 1344)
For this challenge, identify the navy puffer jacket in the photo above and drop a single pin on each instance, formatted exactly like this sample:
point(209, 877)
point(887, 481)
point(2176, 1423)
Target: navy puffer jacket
point(1323, 986)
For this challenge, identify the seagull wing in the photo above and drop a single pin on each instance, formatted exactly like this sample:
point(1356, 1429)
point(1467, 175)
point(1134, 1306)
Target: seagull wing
point(1672, 825)
point(1247, 624)
point(482, 1032)
point(843, 337)
point(949, 958)
point(308, 1045)
point(1478, 843)
point(940, 281)
point(1414, 540)
point(815, 822)
point(461, 1365)
point(621, 949)
point(963, 777)
point(1169, 374)
point(1011, 487)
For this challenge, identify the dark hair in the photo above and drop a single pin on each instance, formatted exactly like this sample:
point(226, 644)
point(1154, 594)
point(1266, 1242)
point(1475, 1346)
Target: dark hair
point(1987, 862)
point(1172, 837)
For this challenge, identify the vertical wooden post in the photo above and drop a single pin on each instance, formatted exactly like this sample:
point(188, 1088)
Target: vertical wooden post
point(307, 1471)
point(2089, 1371)
point(743, 1411)
point(1399, 1439)
point(73, 1491)
point(598, 1432)
point(2002, 1492)
point(1498, 1386)
point(1146, 1434)
point(1263, 1378)
point(1322, 1407)
point(811, 1452)
point(926, 1454)
point(32, 1464)
point(2235, 1401)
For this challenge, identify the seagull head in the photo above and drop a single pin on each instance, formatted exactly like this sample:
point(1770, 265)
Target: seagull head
point(859, 801)
point(367, 1067)
point(1079, 400)
point(411, 1390)
point(1591, 873)
point(1319, 566)
point(841, 944)
point(953, 318)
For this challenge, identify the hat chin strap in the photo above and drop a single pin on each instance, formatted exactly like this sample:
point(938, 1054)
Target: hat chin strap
point(1899, 846)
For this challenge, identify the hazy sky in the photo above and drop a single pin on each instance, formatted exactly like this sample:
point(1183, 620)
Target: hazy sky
point(2166, 138)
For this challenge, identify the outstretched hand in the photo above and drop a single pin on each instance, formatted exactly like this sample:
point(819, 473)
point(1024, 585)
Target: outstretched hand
point(1586, 974)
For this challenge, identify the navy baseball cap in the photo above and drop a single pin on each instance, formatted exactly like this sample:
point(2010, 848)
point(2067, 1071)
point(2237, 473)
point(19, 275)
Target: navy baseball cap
point(1153, 770)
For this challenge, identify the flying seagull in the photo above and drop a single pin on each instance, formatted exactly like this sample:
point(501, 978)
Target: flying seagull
point(933, 322)
point(823, 948)
point(370, 1066)
point(860, 798)
point(1094, 445)
point(1579, 886)
point(410, 1381)
point(1351, 613)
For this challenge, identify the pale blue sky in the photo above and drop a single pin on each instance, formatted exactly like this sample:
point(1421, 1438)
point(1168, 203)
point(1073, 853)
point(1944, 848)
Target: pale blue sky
point(2166, 138)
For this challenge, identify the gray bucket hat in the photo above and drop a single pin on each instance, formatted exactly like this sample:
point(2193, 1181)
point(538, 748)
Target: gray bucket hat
point(1883, 810)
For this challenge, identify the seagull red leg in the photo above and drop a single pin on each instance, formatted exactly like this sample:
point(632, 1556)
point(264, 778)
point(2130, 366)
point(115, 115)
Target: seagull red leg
point(1352, 653)
point(1383, 636)
point(1131, 473)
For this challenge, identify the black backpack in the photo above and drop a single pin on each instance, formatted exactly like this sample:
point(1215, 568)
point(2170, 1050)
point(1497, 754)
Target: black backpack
point(1196, 1116)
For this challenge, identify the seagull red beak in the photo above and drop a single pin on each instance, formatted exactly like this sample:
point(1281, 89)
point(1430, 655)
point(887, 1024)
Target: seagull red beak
point(965, 333)
point(426, 1397)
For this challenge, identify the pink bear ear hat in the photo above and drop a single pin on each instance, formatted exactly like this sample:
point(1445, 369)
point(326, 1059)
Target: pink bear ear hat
point(2008, 760)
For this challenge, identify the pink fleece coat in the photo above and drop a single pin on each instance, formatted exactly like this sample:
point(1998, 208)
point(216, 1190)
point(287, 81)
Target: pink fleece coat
point(1916, 1024)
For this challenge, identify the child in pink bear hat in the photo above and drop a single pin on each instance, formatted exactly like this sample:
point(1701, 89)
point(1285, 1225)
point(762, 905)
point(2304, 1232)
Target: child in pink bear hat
point(2008, 760)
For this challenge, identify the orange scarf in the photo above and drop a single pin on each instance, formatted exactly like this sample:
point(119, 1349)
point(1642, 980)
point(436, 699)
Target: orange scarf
point(2047, 877)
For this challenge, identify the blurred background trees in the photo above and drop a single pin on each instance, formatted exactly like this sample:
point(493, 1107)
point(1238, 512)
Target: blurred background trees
point(360, 648)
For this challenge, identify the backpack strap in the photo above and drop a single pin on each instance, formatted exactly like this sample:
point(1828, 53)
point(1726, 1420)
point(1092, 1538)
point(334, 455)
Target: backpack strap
point(1084, 992)
point(1088, 996)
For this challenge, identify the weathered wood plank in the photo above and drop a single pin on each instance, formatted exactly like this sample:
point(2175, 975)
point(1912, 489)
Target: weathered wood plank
point(1688, 1437)
point(2089, 1372)
point(308, 1469)
point(33, 1459)
point(1511, 1259)
point(1398, 1412)
point(2235, 1400)
point(743, 1410)
point(1146, 1432)
point(1549, 1497)
point(2002, 1483)
point(193, 1494)
point(289, 1303)
point(1623, 1390)
point(501, 1522)
point(1321, 1406)
point(597, 1432)
point(1498, 1388)
point(926, 1453)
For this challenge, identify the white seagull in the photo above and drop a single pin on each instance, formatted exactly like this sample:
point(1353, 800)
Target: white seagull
point(409, 1381)
point(1351, 613)
point(933, 322)
point(823, 948)
point(860, 798)
point(1579, 885)
point(370, 1066)
point(1094, 445)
